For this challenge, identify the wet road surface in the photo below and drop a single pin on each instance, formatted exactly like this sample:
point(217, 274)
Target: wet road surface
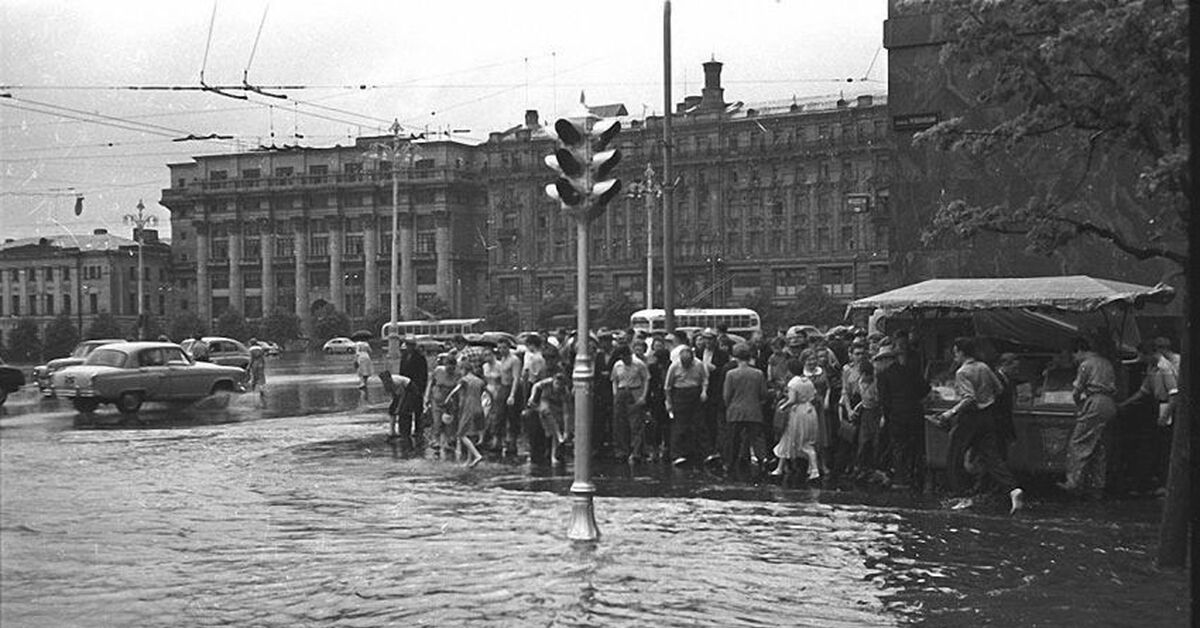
point(300, 513)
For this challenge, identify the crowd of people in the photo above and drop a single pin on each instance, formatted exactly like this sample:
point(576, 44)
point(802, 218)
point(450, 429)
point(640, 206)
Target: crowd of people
point(850, 407)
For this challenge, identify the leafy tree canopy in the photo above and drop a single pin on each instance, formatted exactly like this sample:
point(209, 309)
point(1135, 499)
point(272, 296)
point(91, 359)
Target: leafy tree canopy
point(104, 326)
point(232, 324)
point(184, 325)
point(25, 342)
point(329, 323)
point(61, 337)
point(1083, 106)
point(500, 318)
point(280, 326)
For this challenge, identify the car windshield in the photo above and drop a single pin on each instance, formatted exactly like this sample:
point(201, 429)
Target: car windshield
point(106, 357)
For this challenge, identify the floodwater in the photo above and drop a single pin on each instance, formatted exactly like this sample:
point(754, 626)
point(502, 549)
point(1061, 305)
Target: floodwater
point(299, 513)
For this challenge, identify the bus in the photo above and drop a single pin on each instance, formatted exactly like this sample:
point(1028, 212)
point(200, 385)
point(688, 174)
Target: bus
point(441, 329)
point(741, 321)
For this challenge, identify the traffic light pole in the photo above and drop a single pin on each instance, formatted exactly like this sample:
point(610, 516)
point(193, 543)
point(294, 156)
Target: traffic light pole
point(583, 514)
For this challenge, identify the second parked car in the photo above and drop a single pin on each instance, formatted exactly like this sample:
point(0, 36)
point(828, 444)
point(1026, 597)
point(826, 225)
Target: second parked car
point(221, 350)
point(340, 345)
point(82, 351)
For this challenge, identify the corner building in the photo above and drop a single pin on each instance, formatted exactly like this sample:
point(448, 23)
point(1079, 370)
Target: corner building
point(294, 228)
point(769, 198)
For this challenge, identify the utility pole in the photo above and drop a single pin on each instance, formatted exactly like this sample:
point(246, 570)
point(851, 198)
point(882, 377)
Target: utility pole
point(668, 186)
point(140, 221)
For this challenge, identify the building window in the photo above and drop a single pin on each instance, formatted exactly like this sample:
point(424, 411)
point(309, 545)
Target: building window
point(837, 281)
point(354, 245)
point(426, 276)
point(253, 249)
point(94, 303)
point(318, 169)
point(218, 175)
point(65, 273)
point(284, 246)
point(16, 305)
point(253, 279)
point(251, 173)
point(49, 304)
point(847, 239)
point(162, 304)
point(284, 172)
point(66, 306)
point(319, 246)
point(426, 243)
point(219, 281)
point(33, 305)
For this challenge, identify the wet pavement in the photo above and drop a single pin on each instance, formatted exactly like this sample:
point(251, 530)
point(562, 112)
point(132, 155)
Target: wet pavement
point(297, 511)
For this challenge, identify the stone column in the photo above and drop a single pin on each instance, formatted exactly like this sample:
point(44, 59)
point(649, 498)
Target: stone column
point(237, 288)
point(445, 269)
point(371, 255)
point(267, 243)
point(408, 274)
point(303, 299)
point(337, 282)
point(203, 285)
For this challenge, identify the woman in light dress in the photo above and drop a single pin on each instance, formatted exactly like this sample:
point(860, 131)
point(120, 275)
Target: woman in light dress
point(800, 437)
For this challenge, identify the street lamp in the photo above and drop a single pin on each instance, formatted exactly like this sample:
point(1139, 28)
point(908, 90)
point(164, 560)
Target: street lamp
point(394, 153)
point(140, 221)
point(648, 190)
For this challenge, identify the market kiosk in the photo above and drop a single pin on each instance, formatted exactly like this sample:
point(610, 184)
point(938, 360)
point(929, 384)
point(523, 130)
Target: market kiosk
point(1034, 318)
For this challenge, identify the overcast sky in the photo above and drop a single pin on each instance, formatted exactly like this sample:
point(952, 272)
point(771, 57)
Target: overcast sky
point(436, 66)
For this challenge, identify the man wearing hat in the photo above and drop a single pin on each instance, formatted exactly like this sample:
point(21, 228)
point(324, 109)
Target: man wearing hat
point(744, 393)
point(712, 423)
point(902, 391)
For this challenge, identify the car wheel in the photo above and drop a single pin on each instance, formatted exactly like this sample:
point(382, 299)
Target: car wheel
point(222, 386)
point(129, 402)
point(85, 404)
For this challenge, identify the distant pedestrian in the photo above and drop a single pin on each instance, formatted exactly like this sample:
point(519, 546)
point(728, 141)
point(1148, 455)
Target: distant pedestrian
point(630, 385)
point(199, 348)
point(363, 365)
point(685, 390)
point(902, 390)
point(257, 371)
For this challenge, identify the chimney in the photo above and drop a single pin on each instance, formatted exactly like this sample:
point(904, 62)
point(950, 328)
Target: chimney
point(865, 101)
point(100, 232)
point(689, 102)
point(713, 96)
point(531, 118)
point(150, 235)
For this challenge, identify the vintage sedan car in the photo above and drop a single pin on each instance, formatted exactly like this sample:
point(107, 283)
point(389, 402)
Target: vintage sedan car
point(130, 373)
point(268, 347)
point(340, 345)
point(11, 380)
point(41, 374)
point(221, 350)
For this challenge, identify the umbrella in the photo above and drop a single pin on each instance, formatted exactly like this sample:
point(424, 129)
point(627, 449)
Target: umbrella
point(362, 334)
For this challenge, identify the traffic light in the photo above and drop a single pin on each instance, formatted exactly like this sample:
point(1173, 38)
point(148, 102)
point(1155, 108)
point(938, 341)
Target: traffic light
point(584, 163)
point(604, 160)
point(570, 161)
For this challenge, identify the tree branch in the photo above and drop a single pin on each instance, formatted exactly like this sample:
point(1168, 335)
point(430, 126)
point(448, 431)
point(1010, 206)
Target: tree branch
point(1104, 233)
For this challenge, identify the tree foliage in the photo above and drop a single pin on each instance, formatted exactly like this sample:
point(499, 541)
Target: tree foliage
point(500, 318)
point(377, 317)
point(280, 326)
point(105, 325)
point(328, 323)
point(556, 305)
point(811, 306)
point(25, 342)
point(614, 314)
point(1082, 107)
point(184, 325)
point(232, 324)
point(61, 337)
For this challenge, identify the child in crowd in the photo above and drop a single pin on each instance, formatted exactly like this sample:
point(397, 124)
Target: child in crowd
point(468, 395)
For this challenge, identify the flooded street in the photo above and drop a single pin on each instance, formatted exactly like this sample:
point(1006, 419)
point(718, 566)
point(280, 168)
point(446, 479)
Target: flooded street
point(302, 514)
